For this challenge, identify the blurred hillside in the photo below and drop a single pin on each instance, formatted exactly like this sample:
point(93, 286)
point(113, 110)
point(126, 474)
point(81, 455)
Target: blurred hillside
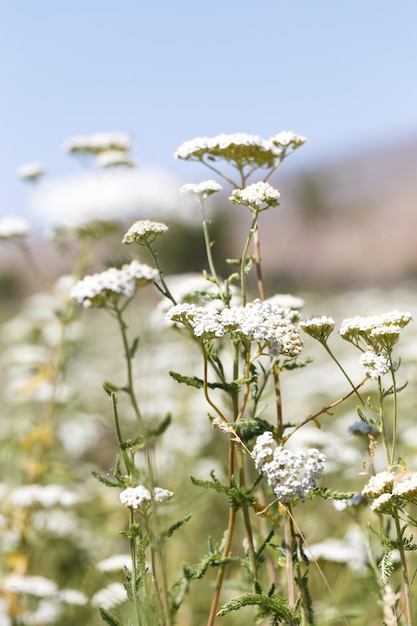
point(348, 223)
point(352, 222)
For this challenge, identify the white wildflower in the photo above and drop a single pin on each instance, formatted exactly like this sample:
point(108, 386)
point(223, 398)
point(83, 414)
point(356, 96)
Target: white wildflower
point(98, 142)
point(37, 586)
point(45, 496)
point(31, 171)
point(406, 488)
point(200, 191)
point(269, 325)
point(161, 495)
point(318, 327)
point(134, 497)
point(114, 158)
point(204, 322)
point(383, 503)
point(379, 484)
point(72, 596)
point(13, 228)
point(292, 475)
point(144, 232)
point(286, 138)
point(241, 149)
point(109, 596)
point(115, 563)
point(374, 329)
point(97, 289)
point(256, 195)
point(374, 364)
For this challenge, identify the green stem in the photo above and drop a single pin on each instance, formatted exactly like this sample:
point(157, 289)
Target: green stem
point(165, 610)
point(252, 230)
point(134, 559)
point(345, 374)
point(165, 289)
point(395, 417)
point(384, 435)
point(404, 571)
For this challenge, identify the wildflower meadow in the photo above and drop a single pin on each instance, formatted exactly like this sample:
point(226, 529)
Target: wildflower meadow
point(201, 448)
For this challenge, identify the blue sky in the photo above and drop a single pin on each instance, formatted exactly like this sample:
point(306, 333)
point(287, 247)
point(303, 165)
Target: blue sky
point(341, 72)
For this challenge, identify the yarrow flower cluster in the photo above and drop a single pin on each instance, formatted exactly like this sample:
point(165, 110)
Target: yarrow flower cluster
point(375, 364)
point(292, 475)
point(13, 228)
point(256, 195)
point(97, 143)
point(45, 496)
point(144, 232)
point(97, 290)
point(136, 497)
point(114, 158)
point(380, 332)
point(386, 489)
point(261, 321)
point(200, 191)
point(240, 148)
point(319, 327)
point(31, 171)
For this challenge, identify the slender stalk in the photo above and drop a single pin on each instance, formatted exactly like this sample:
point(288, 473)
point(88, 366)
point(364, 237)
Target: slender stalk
point(345, 374)
point(244, 258)
point(165, 289)
point(404, 571)
point(163, 605)
point(395, 411)
point(258, 265)
point(384, 435)
point(289, 566)
point(134, 560)
point(222, 568)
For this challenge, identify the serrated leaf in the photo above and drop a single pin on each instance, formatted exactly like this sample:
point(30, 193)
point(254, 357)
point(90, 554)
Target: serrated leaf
point(177, 525)
point(273, 606)
point(104, 480)
point(109, 618)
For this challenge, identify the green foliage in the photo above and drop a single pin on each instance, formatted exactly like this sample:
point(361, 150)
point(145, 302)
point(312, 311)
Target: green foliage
point(386, 566)
point(269, 606)
point(236, 496)
point(198, 383)
point(178, 525)
point(109, 618)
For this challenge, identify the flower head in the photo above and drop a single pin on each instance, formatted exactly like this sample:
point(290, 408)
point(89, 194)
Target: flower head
point(379, 332)
point(13, 228)
point(240, 149)
point(97, 143)
point(200, 191)
point(407, 488)
point(114, 158)
point(31, 171)
point(379, 484)
point(137, 497)
point(318, 327)
point(97, 290)
point(144, 232)
point(375, 364)
point(256, 196)
point(134, 497)
point(292, 475)
point(270, 326)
